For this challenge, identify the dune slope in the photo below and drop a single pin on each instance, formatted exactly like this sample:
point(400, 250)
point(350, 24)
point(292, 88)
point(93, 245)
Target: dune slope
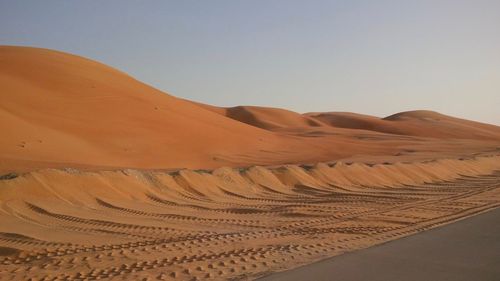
point(104, 177)
point(61, 110)
point(420, 123)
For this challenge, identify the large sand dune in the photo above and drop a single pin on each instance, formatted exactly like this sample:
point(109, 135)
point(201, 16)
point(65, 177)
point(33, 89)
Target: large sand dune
point(104, 177)
point(64, 110)
point(61, 110)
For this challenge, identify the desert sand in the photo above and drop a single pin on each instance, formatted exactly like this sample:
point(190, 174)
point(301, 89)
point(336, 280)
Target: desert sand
point(59, 110)
point(105, 177)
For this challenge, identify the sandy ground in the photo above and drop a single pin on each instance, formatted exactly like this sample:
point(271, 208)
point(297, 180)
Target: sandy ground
point(105, 177)
point(462, 251)
point(226, 224)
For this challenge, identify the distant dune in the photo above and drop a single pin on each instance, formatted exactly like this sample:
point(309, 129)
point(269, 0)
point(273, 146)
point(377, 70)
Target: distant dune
point(421, 123)
point(266, 118)
point(62, 110)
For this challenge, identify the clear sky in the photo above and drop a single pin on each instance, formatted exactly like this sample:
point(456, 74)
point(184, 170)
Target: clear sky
point(373, 57)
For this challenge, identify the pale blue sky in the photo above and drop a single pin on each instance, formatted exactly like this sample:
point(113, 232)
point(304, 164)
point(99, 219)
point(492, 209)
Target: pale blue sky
point(372, 57)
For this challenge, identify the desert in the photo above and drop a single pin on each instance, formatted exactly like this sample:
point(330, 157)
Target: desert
point(105, 177)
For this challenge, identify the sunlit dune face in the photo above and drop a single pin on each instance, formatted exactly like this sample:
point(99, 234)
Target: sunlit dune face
point(62, 110)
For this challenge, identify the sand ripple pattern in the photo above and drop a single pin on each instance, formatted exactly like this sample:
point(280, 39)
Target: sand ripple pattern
point(226, 224)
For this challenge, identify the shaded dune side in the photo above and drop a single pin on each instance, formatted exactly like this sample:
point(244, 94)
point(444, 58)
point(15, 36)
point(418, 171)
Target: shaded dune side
point(225, 185)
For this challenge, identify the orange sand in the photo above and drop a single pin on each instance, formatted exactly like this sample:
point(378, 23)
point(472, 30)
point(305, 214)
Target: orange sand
point(61, 110)
point(104, 177)
point(226, 224)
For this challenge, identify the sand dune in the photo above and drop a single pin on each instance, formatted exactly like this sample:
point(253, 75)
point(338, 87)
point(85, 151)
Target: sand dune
point(412, 123)
point(61, 110)
point(104, 177)
point(266, 118)
point(65, 110)
point(420, 123)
